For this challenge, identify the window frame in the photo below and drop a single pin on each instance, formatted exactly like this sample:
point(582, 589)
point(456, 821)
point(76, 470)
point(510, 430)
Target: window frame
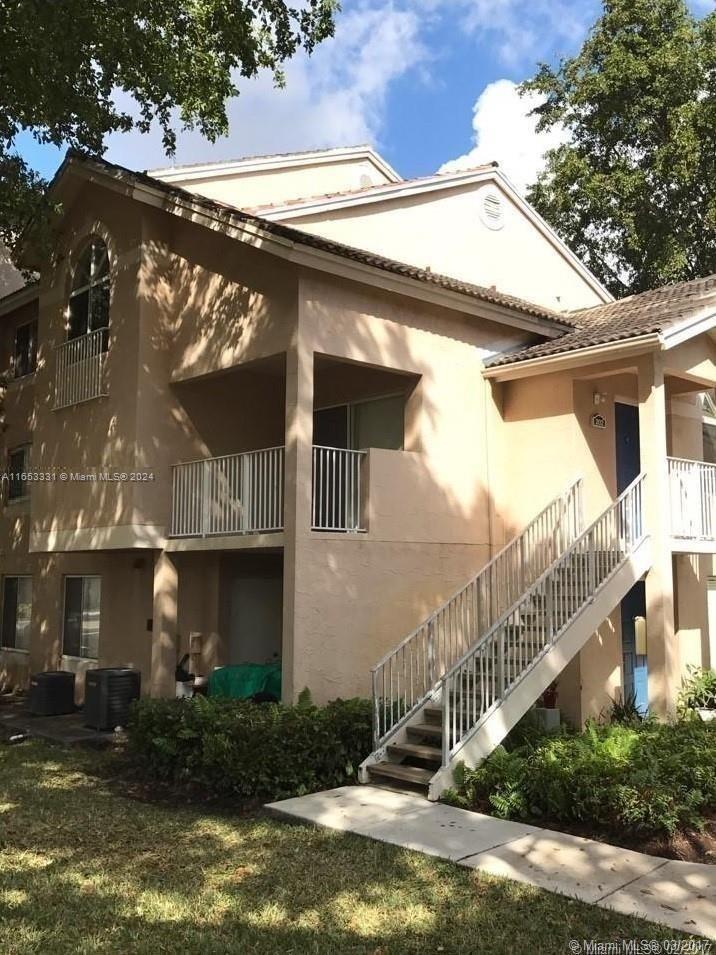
point(351, 407)
point(88, 246)
point(4, 646)
point(83, 578)
point(32, 350)
point(24, 496)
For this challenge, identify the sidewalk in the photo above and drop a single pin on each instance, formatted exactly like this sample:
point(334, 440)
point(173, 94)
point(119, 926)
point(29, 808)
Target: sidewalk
point(681, 895)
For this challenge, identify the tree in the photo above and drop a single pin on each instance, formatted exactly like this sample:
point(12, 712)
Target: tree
point(633, 189)
point(63, 61)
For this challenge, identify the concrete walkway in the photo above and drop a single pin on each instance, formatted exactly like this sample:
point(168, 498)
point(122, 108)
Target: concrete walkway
point(681, 895)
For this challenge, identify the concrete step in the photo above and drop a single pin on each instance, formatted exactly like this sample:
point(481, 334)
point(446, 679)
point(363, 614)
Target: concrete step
point(431, 754)
point(415, 775)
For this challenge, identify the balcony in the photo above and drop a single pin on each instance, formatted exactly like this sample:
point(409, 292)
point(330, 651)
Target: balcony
point(239, 494)
point(80, 369)
point(692, 490)
point(232, 494)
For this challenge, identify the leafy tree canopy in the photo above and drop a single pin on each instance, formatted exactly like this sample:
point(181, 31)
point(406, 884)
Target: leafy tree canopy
point(62, 61)
point(633, 190)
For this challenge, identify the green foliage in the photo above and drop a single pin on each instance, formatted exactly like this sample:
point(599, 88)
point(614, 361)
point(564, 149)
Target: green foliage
point(72, 72)
point(648, 777)
point(624, 709)
point(250, 751)
point(698, 690)
point(633, 191)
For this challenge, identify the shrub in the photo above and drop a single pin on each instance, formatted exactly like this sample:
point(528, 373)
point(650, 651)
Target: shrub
point(648, 778)
point(623, 709)
point(232, 748)
point(699, 690)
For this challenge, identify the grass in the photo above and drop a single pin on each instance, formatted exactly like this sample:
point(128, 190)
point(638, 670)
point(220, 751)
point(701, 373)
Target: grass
point(84, 868)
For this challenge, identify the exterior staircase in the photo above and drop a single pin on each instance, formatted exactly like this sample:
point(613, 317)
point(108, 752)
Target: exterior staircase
point(455, 687)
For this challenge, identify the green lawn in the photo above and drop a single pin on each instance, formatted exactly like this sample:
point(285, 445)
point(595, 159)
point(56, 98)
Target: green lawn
point(84, 869)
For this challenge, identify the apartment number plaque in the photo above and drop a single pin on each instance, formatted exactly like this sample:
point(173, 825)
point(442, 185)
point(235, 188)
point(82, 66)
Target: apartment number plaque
point(599, 421)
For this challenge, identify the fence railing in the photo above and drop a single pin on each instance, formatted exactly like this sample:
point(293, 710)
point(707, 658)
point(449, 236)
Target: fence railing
point(404, 678)
point(492, 668)
point(338, 487)
point(232, 494)
point(80, 372)
point(692, 491)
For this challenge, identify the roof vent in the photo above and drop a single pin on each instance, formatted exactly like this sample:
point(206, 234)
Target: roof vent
point(492, 210)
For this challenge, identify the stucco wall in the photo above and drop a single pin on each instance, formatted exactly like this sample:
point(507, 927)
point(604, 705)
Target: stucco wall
point(246, 189)
point(429, 508)
point(444, 231)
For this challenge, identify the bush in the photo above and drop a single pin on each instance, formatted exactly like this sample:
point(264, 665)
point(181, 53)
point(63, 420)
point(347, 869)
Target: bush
point(647, 778)
point(699, 690)
point(232, 748)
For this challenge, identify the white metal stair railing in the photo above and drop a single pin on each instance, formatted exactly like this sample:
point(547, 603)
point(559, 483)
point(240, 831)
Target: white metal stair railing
point(692, 490)
point(512, 647)
point(406, 676)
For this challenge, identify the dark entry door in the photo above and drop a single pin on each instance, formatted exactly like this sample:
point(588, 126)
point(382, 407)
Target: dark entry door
point(626, 433)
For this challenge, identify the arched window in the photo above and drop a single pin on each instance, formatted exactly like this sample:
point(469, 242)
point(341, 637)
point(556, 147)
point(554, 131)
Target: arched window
point(89, 298)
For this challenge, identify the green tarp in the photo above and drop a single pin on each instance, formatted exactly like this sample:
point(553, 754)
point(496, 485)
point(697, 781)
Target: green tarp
point(243, 681)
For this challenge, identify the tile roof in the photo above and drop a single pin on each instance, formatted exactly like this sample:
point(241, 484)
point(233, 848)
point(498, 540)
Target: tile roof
point(297, 236)
point(648, 312)
point(382, 186)
point(255, 156)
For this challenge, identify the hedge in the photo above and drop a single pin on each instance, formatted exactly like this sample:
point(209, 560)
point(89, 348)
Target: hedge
point(231, 748)
point(650, 778)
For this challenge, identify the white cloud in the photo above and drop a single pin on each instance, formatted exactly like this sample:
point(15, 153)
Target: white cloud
point(505, 132)
point(335, 97)
point(519, 32)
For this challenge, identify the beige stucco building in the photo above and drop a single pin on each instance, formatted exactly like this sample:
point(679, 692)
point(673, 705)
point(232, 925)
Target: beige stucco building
point(285, 408)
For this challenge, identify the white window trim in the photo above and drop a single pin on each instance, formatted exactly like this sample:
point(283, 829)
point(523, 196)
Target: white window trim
point(72, 656)
point(29, 374)
point(3, 648)
point(81, 289)
point(23, 498)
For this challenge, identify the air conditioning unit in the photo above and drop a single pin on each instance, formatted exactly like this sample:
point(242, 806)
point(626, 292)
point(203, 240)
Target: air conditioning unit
point(108, 694)
point(52, 693)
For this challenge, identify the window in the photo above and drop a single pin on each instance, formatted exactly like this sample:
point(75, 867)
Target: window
point(18, 464)
point(373, 423)
point(16, 612)
point(89, 298)
point(80, 632)
point(25, 349)
point(708, 427)
point(379, 423)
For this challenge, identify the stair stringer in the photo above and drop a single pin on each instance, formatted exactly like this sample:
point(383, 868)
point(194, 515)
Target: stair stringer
point(497, 723)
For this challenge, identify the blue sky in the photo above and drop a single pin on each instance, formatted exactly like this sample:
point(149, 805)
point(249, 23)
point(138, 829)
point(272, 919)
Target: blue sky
point(428, 82)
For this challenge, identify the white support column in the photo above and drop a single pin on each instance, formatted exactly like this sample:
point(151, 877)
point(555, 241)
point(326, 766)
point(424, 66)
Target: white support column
point(297, 501)
point(662, 649)
point(164, 625)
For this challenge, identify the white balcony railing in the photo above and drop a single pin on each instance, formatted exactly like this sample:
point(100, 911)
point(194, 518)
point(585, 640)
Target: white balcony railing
point(692, 488)
point(80, 369)
point(243, 493)
point(233, 494)
point(337, 489)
